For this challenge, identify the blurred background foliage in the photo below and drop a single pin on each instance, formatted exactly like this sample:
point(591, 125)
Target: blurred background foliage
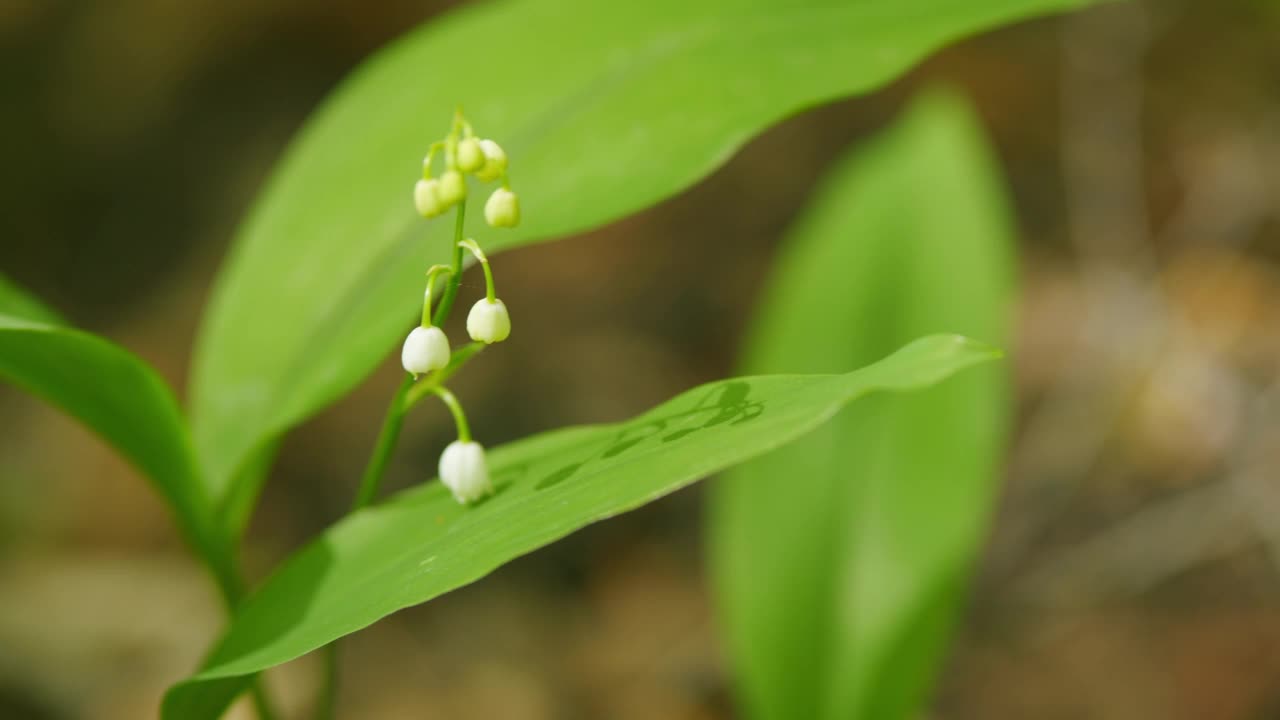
point(1131, 569)
point(840, 560)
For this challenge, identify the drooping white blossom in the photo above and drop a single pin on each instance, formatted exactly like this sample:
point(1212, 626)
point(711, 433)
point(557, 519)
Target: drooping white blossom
point(464, 472)
point(488, 322)
point(426, 349)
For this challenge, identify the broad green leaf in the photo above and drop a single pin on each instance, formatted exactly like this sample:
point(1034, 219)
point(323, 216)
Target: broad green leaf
point(423, 544)
point(839, 560)
point(18, 303)
point(121, 398)
point(604, 108)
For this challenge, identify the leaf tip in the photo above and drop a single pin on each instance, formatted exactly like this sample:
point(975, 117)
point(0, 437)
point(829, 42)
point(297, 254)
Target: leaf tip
point(976, 348)
point(930, 359)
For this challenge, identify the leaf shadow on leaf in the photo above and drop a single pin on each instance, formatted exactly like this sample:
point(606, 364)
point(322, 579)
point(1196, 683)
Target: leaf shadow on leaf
point(421, 544)
point(730, 403)
point(502, 482)
point(308, 573)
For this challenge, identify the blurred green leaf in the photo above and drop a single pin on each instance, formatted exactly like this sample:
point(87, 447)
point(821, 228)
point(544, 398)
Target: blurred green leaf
point(121, 398)
point(423, 544)
point(18, 303)
point(604, 108)
point(840, 560)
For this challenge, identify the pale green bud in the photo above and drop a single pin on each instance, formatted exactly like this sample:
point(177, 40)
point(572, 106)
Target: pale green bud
point(495, 161)
point(452, 188)
point(426, 198)
point(502, 209)
point(471, 157)
point(488, 322)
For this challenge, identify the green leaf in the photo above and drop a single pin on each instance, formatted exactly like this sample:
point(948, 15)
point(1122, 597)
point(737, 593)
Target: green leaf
point(18, 303)
point(423, 544)
point(836, 591)
point(604, 109)
point(121, 398)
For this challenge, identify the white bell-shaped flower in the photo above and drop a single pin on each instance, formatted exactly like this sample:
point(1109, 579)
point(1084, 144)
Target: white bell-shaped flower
point(495, 161)
point(426, 198)
point(471, 157)
point(464, 472)
point(488, 322)
point(502, 209)
point(426, 349)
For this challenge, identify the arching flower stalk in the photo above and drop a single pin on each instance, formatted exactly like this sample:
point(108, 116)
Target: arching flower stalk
point(447, 167)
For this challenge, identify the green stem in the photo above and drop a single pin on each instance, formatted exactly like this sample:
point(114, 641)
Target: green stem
point(455, 408)
point(261, 703)
point(490, 294)
point(329, 687)
point(474, 247)
point(460, 123)
point(431, 289)
point(406, 396)
point(451, 290)
point(220, 557)
point(370, 482)
point(231, 588)
point(386, 444)
point(427, 385)
point(426, 162)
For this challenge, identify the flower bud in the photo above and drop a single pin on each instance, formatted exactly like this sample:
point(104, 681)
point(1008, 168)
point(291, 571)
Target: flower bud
point(488, 322)
point(471, 157)
point(452, 188)
point(502, 209)
point(495, 161)
point(426, 198)
point(464, 472)
point(425, 349)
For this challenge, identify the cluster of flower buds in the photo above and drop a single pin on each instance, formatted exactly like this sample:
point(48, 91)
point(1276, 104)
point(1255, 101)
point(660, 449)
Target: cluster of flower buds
point(426, 349)
point(465, 154)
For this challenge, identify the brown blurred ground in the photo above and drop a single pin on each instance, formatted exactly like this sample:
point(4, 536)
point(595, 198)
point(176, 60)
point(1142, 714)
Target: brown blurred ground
point(1132, 571)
